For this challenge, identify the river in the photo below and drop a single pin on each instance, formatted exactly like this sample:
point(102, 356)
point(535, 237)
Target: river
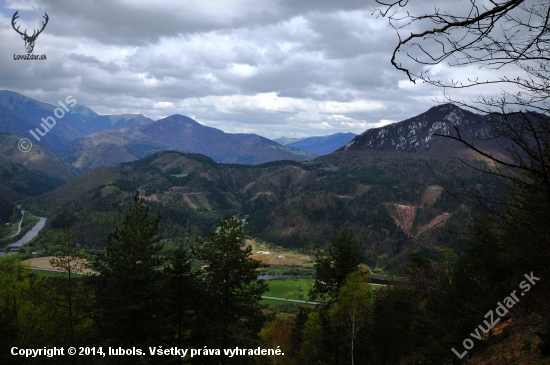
point(29, 235)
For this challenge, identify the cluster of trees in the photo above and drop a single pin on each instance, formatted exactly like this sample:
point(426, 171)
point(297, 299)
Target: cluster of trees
point(141, 300)
point(138, 300)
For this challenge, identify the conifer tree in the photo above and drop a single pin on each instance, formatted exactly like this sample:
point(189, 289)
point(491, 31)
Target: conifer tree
point(344, 256)
point(69, 299)
point(182, 297)
point(130, 294)
point(232, 288)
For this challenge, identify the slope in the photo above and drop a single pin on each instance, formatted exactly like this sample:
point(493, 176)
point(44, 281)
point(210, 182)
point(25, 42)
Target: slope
point(300, 205)
point(184, 134)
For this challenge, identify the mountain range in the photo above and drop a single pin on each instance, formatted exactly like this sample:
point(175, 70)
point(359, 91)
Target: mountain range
point(387, 185)
point(68, 120)
point(86, 139)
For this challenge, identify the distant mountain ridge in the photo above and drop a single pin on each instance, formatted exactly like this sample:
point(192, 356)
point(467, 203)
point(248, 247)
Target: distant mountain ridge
point(87, 139)
point(182, 134)
point(322, 145)
point(286, 140)
point(20, 114)
point(220, 146)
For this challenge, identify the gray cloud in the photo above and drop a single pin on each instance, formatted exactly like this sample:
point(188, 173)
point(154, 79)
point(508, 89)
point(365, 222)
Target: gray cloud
point(276, 67)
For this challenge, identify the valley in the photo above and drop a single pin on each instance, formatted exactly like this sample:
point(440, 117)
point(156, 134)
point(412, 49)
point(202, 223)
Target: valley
point(393, 199)
point(275, 182)
point(395, 188)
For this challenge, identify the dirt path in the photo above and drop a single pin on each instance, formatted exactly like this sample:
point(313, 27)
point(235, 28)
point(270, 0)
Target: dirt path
point(440, 218)
point(188, 201)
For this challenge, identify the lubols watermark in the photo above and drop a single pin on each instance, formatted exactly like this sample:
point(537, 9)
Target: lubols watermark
point(47, 124)
point(501, 310)
point(29, 39)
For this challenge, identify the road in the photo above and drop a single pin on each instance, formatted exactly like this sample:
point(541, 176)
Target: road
point(19, 228)
point(292, 300)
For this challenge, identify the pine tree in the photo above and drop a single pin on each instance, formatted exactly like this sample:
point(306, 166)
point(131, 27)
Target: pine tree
point(182, 297)
point(344, 256)
point(232, 287)
point(130, 294)
point(69, 298)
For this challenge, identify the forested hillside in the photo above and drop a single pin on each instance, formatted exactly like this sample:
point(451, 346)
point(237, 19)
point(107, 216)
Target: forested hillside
point(291, 204)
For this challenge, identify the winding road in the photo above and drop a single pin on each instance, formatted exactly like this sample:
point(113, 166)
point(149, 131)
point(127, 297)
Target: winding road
point(27, 236)
point(19, 227)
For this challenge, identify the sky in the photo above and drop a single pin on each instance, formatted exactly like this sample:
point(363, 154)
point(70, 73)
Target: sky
point(292, 68)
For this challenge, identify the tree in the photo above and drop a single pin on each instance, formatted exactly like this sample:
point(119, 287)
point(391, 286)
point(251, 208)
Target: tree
point(21, 318)
point(344, 256)
point(500, 37)
point(505, 35)
point(278, 334)
point(130, 294)
point(231, 287)
point(70, 261)
point(70, 299)
point(181, 296)
point(312, 350)
point(393, 325)
point(352, 312)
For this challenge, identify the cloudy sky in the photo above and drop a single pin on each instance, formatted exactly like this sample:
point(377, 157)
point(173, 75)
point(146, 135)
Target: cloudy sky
point(272, 67)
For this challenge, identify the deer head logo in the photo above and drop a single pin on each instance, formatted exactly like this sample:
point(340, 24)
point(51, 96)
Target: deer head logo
point(29, 40)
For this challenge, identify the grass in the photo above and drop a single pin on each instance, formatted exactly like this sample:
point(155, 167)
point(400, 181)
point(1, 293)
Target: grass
point(50, 274)
point(285, 307)
point(297, 289)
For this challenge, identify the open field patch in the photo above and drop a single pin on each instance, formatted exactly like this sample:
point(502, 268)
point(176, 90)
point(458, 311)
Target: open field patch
point(279, 257)
point(289, 288)
point(44, 263)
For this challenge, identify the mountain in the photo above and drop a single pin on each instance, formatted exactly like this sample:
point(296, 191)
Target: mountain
point(286, 140)
point(128, 121)
point(301, 205)
point(180, 133)
point(177, 133)
point(31, 173)
point(392, 199)
point(108, 148)
point(417, 133)
point(55, 126)
point(87, 140)
point(322, 145)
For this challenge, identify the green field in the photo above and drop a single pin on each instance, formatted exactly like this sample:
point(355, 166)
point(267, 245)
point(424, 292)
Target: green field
point(285, 307)
point(289, 288)
point(50, 274)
